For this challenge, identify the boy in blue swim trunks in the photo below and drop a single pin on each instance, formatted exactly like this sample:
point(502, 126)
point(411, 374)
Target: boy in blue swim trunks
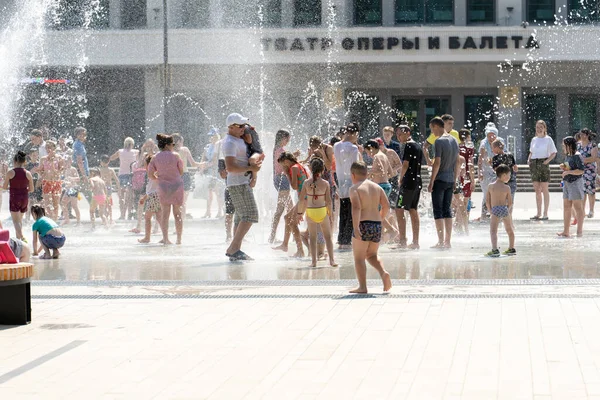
point(369, 206)
point(499, 201)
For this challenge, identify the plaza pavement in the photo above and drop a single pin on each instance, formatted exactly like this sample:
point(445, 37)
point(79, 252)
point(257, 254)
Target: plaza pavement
point(110, 334)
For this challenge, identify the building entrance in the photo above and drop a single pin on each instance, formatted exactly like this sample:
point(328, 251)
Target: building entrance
point(418, 111)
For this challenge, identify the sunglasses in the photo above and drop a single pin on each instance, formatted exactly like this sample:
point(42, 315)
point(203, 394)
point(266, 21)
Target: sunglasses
point(239, 125)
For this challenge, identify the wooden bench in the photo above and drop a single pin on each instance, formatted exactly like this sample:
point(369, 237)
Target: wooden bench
point(15, 293)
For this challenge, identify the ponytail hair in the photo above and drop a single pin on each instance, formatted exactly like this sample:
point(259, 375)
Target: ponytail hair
point(317, 167)
point(38, 211)
point(20, 157)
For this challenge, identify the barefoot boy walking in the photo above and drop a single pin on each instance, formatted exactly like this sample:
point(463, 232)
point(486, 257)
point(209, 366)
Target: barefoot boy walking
point(499, 201)
point(369, 206)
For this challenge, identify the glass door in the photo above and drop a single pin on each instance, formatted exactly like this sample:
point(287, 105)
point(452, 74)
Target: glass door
point(434, 107)
point(419, 111)
point(582, 113)
point(536, 107)
point(479, 110)
point(408, 113)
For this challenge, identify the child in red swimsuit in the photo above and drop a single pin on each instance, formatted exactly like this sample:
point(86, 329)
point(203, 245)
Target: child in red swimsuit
point(20, 183)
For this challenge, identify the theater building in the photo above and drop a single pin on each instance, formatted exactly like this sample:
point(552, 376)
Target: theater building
point(311, 64)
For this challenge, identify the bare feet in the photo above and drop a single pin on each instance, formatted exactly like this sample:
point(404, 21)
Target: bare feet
point(45, 256)
point(333, 263)
point(135, 230)
point(144, 240)
point(447, 245)
point(438, 246)
point(178, 241)
point(358, 290)
point(414, 246)
point(165, 242)
point(281, 247)
point(387, 282)
point(312, 265)
point(401, 244)
point(55, 254)
point(299, 254)
point(563, 235)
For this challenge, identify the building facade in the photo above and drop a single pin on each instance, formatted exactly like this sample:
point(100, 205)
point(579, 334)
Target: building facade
point(310, 65)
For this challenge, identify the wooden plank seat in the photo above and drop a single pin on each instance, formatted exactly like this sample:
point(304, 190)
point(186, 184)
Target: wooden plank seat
point(15, 293)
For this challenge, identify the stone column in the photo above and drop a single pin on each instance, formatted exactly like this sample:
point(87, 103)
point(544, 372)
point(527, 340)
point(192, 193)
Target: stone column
point(460, 12)
point(216, 14)
point(114, 14)
point(388, 13)
point(510, 121)
point(153, 92)
point(287, 13)
point(562, 128)
point(115, 117)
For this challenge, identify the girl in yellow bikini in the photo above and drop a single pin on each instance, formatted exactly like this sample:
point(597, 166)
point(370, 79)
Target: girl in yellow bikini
point(315, 199)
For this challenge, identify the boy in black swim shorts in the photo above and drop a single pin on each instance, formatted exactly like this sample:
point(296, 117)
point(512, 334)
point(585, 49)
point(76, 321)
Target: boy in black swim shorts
point(369, 206)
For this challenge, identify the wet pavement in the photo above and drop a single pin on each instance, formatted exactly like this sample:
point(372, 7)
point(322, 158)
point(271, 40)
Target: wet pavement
point(114, 255)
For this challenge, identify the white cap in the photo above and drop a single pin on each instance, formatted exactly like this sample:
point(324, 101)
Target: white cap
point(491, 127)
point(236, 119)
point(213, 131)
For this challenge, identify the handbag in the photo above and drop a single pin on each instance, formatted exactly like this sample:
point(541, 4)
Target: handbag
point(6, 254)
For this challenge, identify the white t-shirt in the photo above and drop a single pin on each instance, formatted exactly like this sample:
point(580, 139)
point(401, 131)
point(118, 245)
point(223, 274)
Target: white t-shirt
point(126, 158)
point(42, 149)
point(345, 154)
point(234, 147)
point(542, 147)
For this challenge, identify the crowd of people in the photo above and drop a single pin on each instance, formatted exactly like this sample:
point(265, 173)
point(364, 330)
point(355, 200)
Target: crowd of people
point(363, 190)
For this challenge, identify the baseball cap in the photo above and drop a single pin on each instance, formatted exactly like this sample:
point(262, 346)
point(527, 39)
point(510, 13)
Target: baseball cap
point(236, 119)
point(213, 131)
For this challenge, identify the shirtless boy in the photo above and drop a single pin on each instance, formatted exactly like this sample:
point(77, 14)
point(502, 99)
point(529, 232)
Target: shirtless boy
point(109, 176)
point(98, 188)
point(499, 201)
point(380, 173)
point(369, 206)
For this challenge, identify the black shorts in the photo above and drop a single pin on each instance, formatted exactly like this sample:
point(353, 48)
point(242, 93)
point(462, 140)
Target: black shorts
point(408, 199)
point(229, 208)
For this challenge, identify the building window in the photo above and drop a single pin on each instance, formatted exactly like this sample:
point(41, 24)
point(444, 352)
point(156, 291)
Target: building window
point(584, 11)
point(65, 14)
point(479, 110)
point(536, 107)
point(307, 12)
point(582, 113)
point(481, 11)
point(243, 14)
point(367, 12)
point(540, 10)
point(195, 14)
point(424, 11)
point(133, 14)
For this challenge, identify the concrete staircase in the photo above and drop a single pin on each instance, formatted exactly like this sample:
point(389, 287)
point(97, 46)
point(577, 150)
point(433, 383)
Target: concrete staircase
point(524, 183)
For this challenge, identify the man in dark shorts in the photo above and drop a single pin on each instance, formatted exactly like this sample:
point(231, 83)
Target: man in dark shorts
point(410, 187)
point(446, 168)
